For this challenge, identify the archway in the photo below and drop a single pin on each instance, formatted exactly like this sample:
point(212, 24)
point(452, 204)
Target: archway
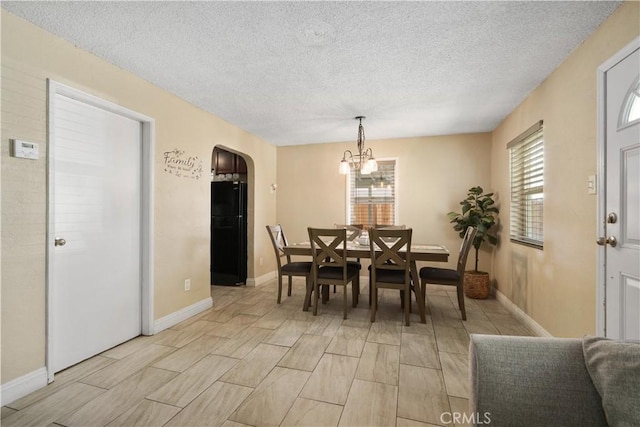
point(232, 217)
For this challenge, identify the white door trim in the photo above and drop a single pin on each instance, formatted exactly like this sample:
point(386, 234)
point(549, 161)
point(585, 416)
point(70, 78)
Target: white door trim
point(601, 182)
point(146, 244)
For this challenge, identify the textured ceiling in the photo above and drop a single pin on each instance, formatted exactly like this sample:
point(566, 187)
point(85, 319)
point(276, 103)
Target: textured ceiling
point(298, 72)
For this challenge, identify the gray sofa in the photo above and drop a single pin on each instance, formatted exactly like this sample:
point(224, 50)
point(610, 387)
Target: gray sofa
point(527, 381)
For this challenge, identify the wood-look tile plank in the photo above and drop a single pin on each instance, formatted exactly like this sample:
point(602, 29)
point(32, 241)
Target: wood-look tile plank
point(212, 407)
point(259, 309)
point(421, 394)
point(331, 380)
point(243, 319)
point(491, 305)
point(403, 422)
point(356, 317)
point(251, 370)
point(481, 327)
point(452, 340)
point(190, 321)
point(418, 328)
point(370, 404)
point(145, 414)
point(461, 406)
point(5, 412)
point(229, 423)
point(239, 346)
point(348, 341)
point(325, 325)
point(221, 302)
point(63, 379)
point(288, 333)
point(62, 402)
point(190, 354)
point(225, 313)
point(226, 330)
point(182, 389)
point(507, 325)
point(312, 413)
point(186, 335)
point(305, 353)
point(443, 312)
point(273, 319)
point(125, 349)
point(379, 363)
point(114, 402)
point(124, 368)
point(455, 369)
point(419, 350)
point(268, 404)
point(386, 332)
point(296, 313)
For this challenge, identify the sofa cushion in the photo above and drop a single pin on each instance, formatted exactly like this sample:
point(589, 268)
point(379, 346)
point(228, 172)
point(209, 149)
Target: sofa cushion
point(614, 367)
point(528, 381)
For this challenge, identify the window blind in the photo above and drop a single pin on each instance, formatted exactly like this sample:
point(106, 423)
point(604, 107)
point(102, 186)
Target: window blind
point(372, 197)
point(527, 187)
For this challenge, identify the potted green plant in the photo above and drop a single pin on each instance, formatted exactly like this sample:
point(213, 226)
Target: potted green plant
point(479, 211)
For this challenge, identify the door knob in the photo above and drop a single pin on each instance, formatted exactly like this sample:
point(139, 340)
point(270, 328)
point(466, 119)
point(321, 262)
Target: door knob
point(611, 240)
point(60, 242)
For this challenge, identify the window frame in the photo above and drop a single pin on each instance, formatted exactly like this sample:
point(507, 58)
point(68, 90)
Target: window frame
point(395, 190)
point(526, 217)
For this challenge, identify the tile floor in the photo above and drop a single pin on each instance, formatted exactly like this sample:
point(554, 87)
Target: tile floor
point(249, 361)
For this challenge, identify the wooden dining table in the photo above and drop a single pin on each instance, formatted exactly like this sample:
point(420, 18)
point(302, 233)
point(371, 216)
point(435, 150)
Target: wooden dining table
point(419, 252)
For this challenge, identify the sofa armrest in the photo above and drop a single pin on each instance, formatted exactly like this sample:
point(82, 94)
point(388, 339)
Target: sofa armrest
point(527, 381)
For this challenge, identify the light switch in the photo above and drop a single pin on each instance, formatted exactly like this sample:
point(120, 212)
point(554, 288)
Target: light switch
point(25, 150)
point(591, 185)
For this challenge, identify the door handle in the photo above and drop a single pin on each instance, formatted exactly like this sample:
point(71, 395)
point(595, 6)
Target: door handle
point(60, 242)
point(611, 240)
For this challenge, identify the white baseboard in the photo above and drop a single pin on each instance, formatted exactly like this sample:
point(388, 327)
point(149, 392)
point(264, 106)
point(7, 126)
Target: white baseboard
point(265, 278)
point(180, 315)
point(521, 315)
point(20, 387)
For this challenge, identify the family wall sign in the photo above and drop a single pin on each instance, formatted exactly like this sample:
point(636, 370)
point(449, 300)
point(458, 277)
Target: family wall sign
point(177, 163)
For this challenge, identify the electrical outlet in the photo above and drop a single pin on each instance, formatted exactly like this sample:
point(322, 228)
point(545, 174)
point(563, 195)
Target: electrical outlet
point(187, 285)
point(261, 260)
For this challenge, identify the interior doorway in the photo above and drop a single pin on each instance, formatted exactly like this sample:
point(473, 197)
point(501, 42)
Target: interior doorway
point(619, 196)
point(229, 218)
point(99, 252)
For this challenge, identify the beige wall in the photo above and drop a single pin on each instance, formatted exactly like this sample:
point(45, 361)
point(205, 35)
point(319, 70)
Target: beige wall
point(434, 174)
point(182, 212)
point(557, 286)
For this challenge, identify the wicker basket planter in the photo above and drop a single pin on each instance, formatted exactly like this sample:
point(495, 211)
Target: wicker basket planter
point(476, 284)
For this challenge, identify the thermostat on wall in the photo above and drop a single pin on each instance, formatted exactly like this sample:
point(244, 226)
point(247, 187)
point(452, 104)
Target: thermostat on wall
point(25, 150)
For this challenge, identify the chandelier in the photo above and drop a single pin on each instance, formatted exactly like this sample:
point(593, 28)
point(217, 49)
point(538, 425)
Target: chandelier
point(363, 161)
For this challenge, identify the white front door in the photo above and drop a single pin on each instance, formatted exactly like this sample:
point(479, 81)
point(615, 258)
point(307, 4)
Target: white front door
point(621, 218)
point(95, 231)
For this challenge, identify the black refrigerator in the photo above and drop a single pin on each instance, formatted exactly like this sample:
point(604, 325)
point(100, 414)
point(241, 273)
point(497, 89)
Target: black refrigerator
point(228, 233)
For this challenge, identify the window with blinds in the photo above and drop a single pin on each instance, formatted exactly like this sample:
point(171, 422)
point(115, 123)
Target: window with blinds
point(372, 198)
point(527, 187)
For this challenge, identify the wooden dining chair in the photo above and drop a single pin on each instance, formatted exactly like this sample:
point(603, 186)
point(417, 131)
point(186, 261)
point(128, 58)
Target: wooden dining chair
point(289, 268)
point(330, 266)
point(390, 227)
point(384, 227)
point(389, 268)
point(446, 276)
point(353, 232)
